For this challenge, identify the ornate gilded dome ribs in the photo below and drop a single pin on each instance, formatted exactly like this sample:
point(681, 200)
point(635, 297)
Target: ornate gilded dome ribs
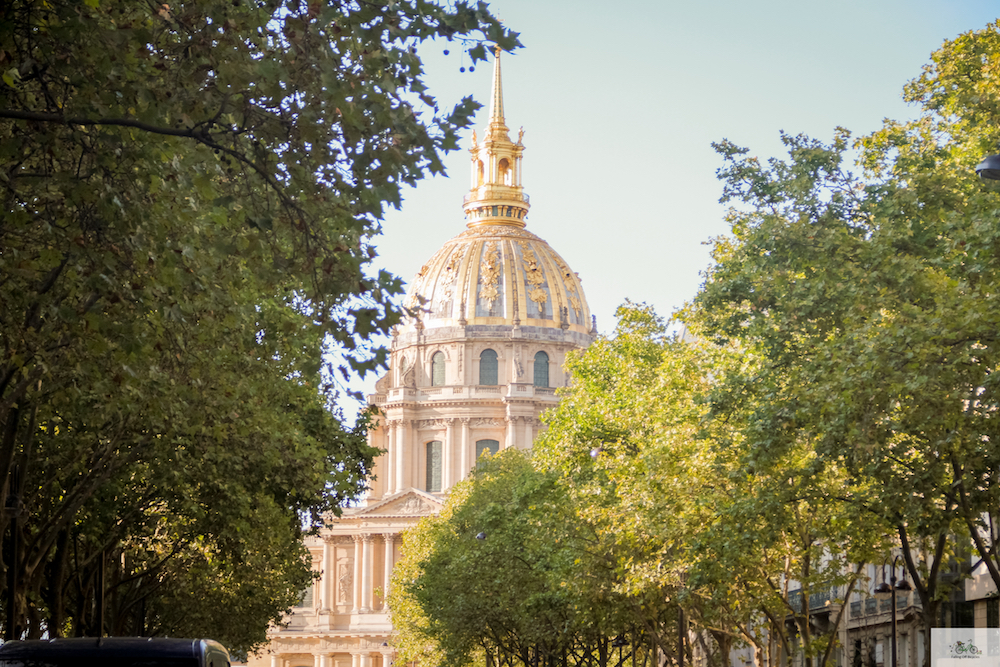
point(490, 286)
point(539, 304)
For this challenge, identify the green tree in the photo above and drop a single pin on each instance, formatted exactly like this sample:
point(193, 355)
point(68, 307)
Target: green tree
point(692, 519)
point(189, 195)
point(869, 300)
point(505, 574)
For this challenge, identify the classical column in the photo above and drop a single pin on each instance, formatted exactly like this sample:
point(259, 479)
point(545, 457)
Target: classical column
point(275, 660)
point(389, 474)
point(448, 456)
point(386, 658)
point(509, 433)
point(355, 659)
point(367, 563)
point(319, 660)
point(366, 659)
point(402, 445)
point(529, 424)
point(356, 588)
point(390, 540)
point(466, 466)
point(328, 576)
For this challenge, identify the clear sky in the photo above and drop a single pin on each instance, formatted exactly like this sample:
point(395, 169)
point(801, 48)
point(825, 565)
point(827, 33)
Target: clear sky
point(620, 101)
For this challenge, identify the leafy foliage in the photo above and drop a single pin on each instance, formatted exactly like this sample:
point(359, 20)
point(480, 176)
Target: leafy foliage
point(504, 573)
point(189, 194)
point(868, 300)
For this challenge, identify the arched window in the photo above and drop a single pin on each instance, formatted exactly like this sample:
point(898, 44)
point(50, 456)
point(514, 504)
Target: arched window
point(541, 370)
point(437, 369)
point(479, 175)
point(491, 446)
point(488, 367)
point(503, 172)
point(434, 466)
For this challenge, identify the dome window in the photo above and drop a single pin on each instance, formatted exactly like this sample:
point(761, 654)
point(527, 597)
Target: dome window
point(483, 446)
point(541, 370)
point(488, 367)
point(434, 466)
point(503, 172)
point(437, 369)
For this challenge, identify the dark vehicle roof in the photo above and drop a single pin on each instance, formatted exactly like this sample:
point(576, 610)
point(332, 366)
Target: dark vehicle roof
point(109, 652)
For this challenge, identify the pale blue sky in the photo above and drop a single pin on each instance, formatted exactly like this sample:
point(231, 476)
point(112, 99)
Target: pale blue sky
point(620, 102)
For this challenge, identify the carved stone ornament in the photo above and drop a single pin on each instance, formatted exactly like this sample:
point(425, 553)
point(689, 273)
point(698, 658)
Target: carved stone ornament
point(416, 301)
point(495, 230)
point(344, 581)
point(489, 275)
point(414, 505)
point(535, 277)
point(487, 421)
point(431, 423)
point(447, 282)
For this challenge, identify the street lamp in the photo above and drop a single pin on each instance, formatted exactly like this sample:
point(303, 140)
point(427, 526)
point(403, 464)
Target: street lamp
point(989, 168)
point(888, 590)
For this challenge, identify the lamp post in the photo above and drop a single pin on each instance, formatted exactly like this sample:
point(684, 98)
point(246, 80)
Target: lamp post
point(884, 590)
point(989, 168)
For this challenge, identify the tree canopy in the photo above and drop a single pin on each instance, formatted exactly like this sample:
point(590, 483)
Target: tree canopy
point(189, 196)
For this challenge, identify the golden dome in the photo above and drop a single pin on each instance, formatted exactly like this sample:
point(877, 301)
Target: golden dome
point(496, 273)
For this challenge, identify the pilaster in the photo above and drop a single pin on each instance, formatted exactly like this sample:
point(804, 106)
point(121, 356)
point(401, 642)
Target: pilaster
point(356, 580)
point(367, 565)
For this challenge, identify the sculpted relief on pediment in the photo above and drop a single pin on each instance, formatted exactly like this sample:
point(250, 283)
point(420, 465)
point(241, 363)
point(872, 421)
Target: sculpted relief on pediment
point(410, 505)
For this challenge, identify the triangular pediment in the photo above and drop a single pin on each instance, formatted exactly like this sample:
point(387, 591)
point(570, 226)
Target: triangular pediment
point(412, 502)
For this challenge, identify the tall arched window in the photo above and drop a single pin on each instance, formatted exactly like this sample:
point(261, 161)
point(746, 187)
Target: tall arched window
point(434, 466)
point(491, 446)
point(480, 172)
point(541, 370)
point(437, 369)
point(488, 367)
point(503, 172)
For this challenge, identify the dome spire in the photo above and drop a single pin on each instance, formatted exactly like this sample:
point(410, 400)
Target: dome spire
point(496, 196)
point(496, 102)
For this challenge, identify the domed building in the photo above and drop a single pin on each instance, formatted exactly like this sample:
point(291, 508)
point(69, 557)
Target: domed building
point(491, 317)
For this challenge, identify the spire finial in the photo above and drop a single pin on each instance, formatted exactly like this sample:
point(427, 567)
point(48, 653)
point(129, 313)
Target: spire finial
point(496, 102)
point(496, 196)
